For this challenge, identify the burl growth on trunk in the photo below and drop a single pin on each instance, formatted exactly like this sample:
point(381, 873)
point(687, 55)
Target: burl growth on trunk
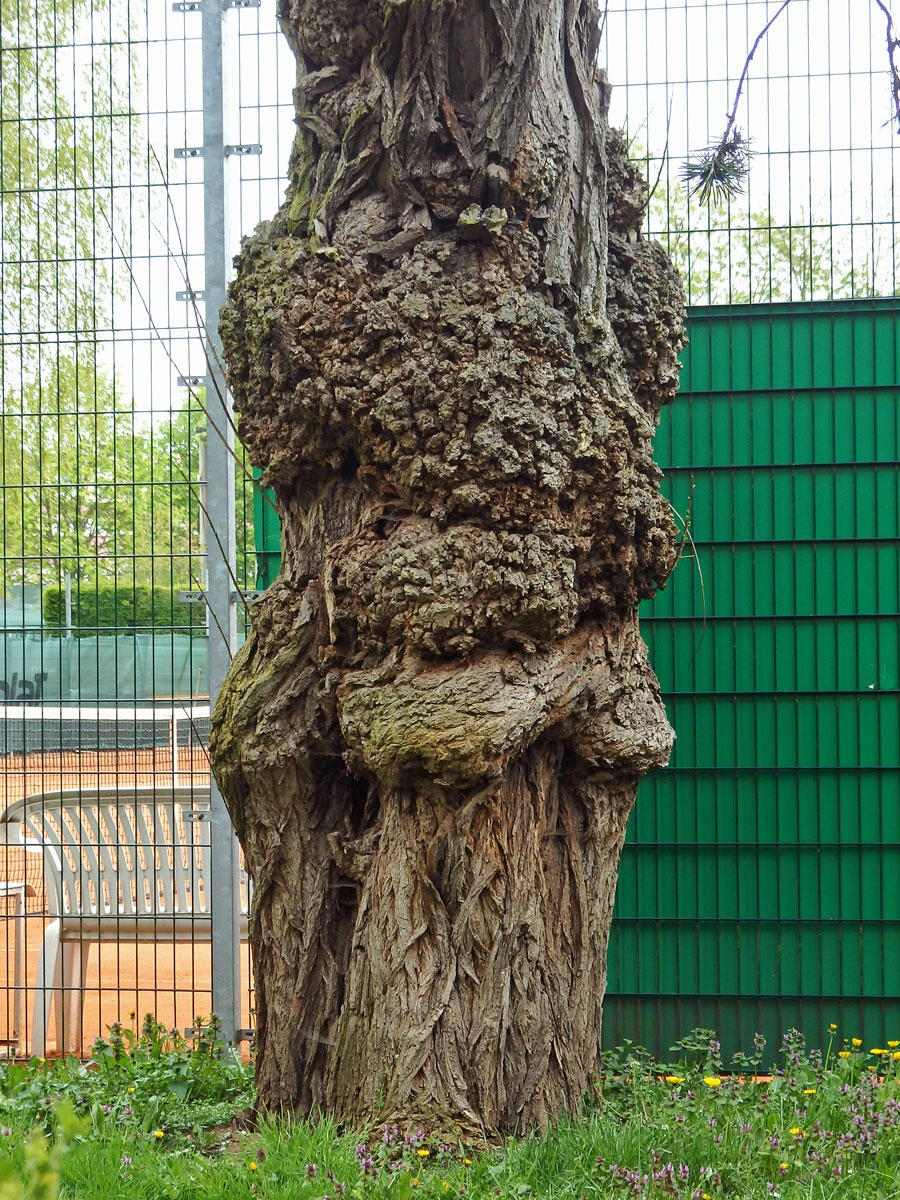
point(448, 350)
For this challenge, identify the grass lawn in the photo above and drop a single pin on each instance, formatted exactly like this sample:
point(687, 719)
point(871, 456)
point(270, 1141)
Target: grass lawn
point(151, 1117)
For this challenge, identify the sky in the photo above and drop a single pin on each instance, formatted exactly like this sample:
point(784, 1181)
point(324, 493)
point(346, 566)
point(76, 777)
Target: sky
point(816, 108)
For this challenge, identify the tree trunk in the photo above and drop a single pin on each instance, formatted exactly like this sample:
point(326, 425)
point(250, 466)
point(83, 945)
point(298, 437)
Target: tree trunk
point(449, 350)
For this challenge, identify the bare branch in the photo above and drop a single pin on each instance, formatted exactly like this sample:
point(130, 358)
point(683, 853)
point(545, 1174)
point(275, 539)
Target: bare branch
point(732, 116)
point(665, 154)
point(185, 274)
point(893, 43)
point(719, 171)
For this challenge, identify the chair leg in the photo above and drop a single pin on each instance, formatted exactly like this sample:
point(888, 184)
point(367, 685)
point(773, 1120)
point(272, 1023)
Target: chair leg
point(59, 998)
point(19, 976)
point(75, 966)
point(71, 968)
point(47, 970)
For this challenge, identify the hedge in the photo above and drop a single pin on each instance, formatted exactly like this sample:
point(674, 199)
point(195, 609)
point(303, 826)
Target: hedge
point(121, 610)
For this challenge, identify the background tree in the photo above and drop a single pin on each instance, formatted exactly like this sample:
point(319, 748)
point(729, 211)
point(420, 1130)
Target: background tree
point(81, 469)
point(449, 349)
point(93, 492)
point(758, 258)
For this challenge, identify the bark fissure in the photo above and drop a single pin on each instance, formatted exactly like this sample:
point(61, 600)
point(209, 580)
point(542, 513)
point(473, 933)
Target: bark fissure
point(448, 350)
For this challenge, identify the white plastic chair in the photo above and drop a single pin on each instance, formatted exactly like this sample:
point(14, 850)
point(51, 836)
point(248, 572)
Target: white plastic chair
point(20, 891)
point(128, 865)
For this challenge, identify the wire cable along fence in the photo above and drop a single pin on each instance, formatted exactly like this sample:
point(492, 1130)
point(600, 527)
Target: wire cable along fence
point(137, 143)
point(116, 623)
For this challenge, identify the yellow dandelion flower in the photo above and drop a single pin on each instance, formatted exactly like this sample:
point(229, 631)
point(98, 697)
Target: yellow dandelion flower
point(467, 1161)
point(877, 1051)
point(131, 1014)
point(423, 1153)
point(253, 1166)
point(870, 1068)
point(416, 1181)
point(833, 1027)
point(857, 1042)
point(159, 1135)
point(893, 1045)
point(809, 1091)
point(896, 1056)
point(843, 1053)
point(131, 1089)
point(712, 1081)
point(784, 1166)
point(674, 1079)
point(794, 1130)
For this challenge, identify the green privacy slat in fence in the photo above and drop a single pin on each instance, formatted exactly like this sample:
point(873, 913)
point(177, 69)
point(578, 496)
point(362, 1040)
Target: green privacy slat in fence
point(764, 578)
point(718, 731)
point(854, 426)
point(847, 808)
point(267, 537)
point(792, 347)
point(818, 883)
point(759, 654)
point(758, 884)
point(757, 501)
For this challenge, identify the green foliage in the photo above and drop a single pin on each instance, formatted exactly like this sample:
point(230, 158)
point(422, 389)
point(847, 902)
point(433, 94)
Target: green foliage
point(42, 1165)
point(90, 487)
point(116, 504)
point(157, 1079)
point(120, 609)
point(156, 1121)
point(151, 1082)
point(58, 169)
point(718, 172)
point(120, 500)
point(731, 254)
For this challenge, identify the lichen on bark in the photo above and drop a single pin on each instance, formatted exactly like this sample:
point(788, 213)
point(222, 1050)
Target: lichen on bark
point(448, 350)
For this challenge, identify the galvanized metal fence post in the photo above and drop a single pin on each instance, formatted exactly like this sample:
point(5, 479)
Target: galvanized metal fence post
point(220, 503)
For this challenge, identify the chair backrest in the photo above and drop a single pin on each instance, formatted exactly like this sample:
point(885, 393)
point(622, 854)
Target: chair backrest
point(137, 852)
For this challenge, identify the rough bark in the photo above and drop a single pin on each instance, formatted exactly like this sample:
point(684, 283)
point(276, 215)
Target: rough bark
point(449, 350)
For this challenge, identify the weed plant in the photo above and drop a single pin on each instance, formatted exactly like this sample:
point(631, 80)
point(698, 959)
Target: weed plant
point(151, 1117)
point(142, 1081)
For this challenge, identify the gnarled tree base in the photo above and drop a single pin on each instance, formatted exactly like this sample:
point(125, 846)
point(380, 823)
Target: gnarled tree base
point(478, 968)
point(427, 954)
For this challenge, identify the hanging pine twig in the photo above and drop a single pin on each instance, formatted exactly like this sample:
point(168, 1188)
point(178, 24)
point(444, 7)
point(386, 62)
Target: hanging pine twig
point(718, 173)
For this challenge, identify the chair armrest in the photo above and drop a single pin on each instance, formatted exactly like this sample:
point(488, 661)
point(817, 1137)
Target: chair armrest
point(9, 887)
point(11, 833)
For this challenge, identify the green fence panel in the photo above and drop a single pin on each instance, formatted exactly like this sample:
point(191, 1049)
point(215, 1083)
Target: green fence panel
point(267, 536)
point(758, 885)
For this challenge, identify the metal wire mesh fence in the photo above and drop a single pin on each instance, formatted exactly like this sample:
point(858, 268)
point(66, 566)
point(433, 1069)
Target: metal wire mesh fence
point(108, 175)
point(106, 531)
point(818, 216)
point(755, 890)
